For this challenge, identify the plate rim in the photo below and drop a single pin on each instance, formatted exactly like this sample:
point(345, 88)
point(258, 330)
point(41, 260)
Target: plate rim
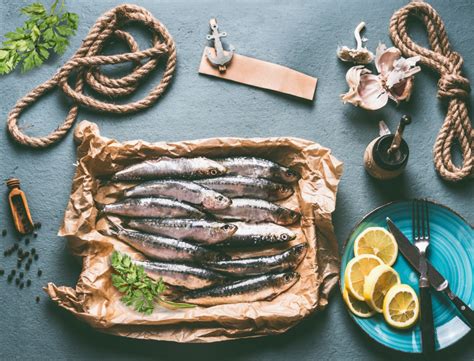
point(344, 246)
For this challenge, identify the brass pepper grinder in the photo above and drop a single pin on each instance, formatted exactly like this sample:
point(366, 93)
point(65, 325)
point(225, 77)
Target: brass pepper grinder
point(19, 207)
point(386, 156)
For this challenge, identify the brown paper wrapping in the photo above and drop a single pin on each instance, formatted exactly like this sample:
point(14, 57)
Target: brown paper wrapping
point(97, 302)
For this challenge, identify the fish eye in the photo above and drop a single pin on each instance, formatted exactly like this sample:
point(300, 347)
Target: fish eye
point(220, 198)
point(226, 227)
point(213, 171)
point(288, 277)
point(290, 173)
point(284, 237)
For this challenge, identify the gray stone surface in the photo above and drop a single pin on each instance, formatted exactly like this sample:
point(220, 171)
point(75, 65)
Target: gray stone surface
point(299, 34)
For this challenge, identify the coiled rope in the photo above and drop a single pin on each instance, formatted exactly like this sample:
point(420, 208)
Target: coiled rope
point(84, 64)
point(452, 86)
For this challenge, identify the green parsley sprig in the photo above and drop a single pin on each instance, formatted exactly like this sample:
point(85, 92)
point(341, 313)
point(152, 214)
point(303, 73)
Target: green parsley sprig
point(140, 291)
point(44, 32)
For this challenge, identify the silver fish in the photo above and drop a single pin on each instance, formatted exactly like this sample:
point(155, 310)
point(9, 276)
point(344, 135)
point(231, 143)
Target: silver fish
point(165, 167)
point(180, 274)
point(286, 260)
point(256, 234)
point(258, 167)
point(180, 190)
point(253, 289)
point(257, 211)
point(152, 207)
point(200, 231)
point(246, 187)
point(164, 248)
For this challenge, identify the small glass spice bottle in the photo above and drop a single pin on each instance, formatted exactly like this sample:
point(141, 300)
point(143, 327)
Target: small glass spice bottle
point(19, 207)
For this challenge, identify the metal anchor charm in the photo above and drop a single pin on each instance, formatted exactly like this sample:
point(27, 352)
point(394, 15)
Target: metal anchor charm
point(221, 59)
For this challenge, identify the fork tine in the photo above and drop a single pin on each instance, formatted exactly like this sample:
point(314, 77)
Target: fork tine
point(428, 231)
point(423, 218)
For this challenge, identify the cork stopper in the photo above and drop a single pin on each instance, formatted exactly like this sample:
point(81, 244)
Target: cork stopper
point(13, 183)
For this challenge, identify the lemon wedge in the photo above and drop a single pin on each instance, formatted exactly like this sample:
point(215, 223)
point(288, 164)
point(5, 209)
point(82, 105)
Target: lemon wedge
point(356, 272)
point(377, 284)
point(358, 308)
point(379, 242)
point(401, 307)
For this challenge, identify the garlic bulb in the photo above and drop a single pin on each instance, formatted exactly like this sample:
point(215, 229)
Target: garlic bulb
point(394, 81)
point(359, 55)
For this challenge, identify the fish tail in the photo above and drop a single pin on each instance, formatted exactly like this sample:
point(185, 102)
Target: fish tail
point(114, 227)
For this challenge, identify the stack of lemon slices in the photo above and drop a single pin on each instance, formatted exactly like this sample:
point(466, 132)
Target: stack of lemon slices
point(372, 286)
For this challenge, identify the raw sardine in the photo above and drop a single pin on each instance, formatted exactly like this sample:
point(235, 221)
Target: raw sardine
point(258, 167)
point(165, 167)
point(180, 190)
point(286, 260)
point(180, 274)
point(165, 248)
point(200, 231)
point(253, 289)
point(258, 234)
point(257, 211)
point(152, 207)
point(246, 187)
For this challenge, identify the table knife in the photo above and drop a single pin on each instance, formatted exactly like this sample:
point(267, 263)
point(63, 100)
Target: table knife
point(436, 279)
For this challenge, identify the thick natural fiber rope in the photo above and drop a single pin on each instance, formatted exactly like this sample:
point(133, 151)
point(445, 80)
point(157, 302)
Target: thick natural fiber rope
point(451, 86)
point(84, 63)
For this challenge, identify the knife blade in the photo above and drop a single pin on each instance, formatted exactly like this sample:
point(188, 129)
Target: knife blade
point(437, 281)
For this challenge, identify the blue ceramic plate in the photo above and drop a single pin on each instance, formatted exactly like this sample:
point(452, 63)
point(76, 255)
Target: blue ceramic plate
point(451, 252)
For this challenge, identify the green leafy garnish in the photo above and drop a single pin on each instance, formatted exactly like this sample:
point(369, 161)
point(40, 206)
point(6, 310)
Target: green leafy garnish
point(140, 291)
point(44, 32)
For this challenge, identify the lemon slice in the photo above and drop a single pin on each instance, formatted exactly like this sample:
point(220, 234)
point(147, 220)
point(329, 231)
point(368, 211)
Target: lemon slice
point(377, 284)
point(356, 271)
point(358, 308)
point(401, 307)
point(379, 242)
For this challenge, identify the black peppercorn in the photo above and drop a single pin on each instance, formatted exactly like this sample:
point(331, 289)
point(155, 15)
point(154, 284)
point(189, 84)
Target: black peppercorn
point(35, 235)
point(2, 272)
point(9, 278)
point(13, 272)
point(38, 225)
point(17, 281)
point(33, 250)
point(40, 272)
point(27, 267)
point(5, 253)
point(4, 232)
point(26, 254)
point(21, 275)
point(37, 299)
point(22, 285)
point(27, 241)
point(36, 257)
point(28, 283)
point(14, 247)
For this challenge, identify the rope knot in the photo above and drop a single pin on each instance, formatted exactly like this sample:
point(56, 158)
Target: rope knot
point(453, 86)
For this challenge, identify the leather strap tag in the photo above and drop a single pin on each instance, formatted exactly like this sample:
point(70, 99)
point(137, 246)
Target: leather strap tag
point(262, 74)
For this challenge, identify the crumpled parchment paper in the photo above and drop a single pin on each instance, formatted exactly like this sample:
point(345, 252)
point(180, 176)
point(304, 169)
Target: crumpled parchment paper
point(97, 302)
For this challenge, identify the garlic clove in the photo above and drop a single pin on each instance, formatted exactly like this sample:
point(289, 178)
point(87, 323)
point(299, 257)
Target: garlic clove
point(365, 89)
point(385, 58)
point(402, 90)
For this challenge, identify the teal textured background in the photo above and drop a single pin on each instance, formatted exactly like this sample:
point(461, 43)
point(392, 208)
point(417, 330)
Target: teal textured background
point(299, 34)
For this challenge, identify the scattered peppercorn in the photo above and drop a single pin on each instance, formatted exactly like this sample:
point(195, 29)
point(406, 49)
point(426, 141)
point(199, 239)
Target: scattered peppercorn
point(17, 281)
point(9, 278)
point(33, 250)
point(36, 257)
point(14, 247)
point(27, 241)
point(2, 272)
point(37, 299)
point(5, 253)
point(22, 275)
point(27, 267)
point(40, 272)
point(28, 283)
point(22, 285)
point(38, 225)
point(35, 235)
point(13, 272)
point(26, 254)
point(4, 232)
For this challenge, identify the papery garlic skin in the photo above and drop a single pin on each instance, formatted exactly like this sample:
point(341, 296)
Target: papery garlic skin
point(395, 80)
point(359, 55)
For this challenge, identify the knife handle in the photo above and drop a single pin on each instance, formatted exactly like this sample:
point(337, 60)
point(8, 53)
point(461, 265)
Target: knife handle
point(467, 312)
point(426, 321)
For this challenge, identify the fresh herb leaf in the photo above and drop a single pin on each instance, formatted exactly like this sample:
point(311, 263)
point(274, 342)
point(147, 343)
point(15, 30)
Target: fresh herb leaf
point(42, 33)
point(139, 291)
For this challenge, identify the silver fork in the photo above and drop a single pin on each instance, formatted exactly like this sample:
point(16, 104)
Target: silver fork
point(421, 237)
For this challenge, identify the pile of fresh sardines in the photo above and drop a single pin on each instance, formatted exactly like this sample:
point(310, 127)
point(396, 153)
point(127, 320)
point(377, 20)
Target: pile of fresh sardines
point(188, 212)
